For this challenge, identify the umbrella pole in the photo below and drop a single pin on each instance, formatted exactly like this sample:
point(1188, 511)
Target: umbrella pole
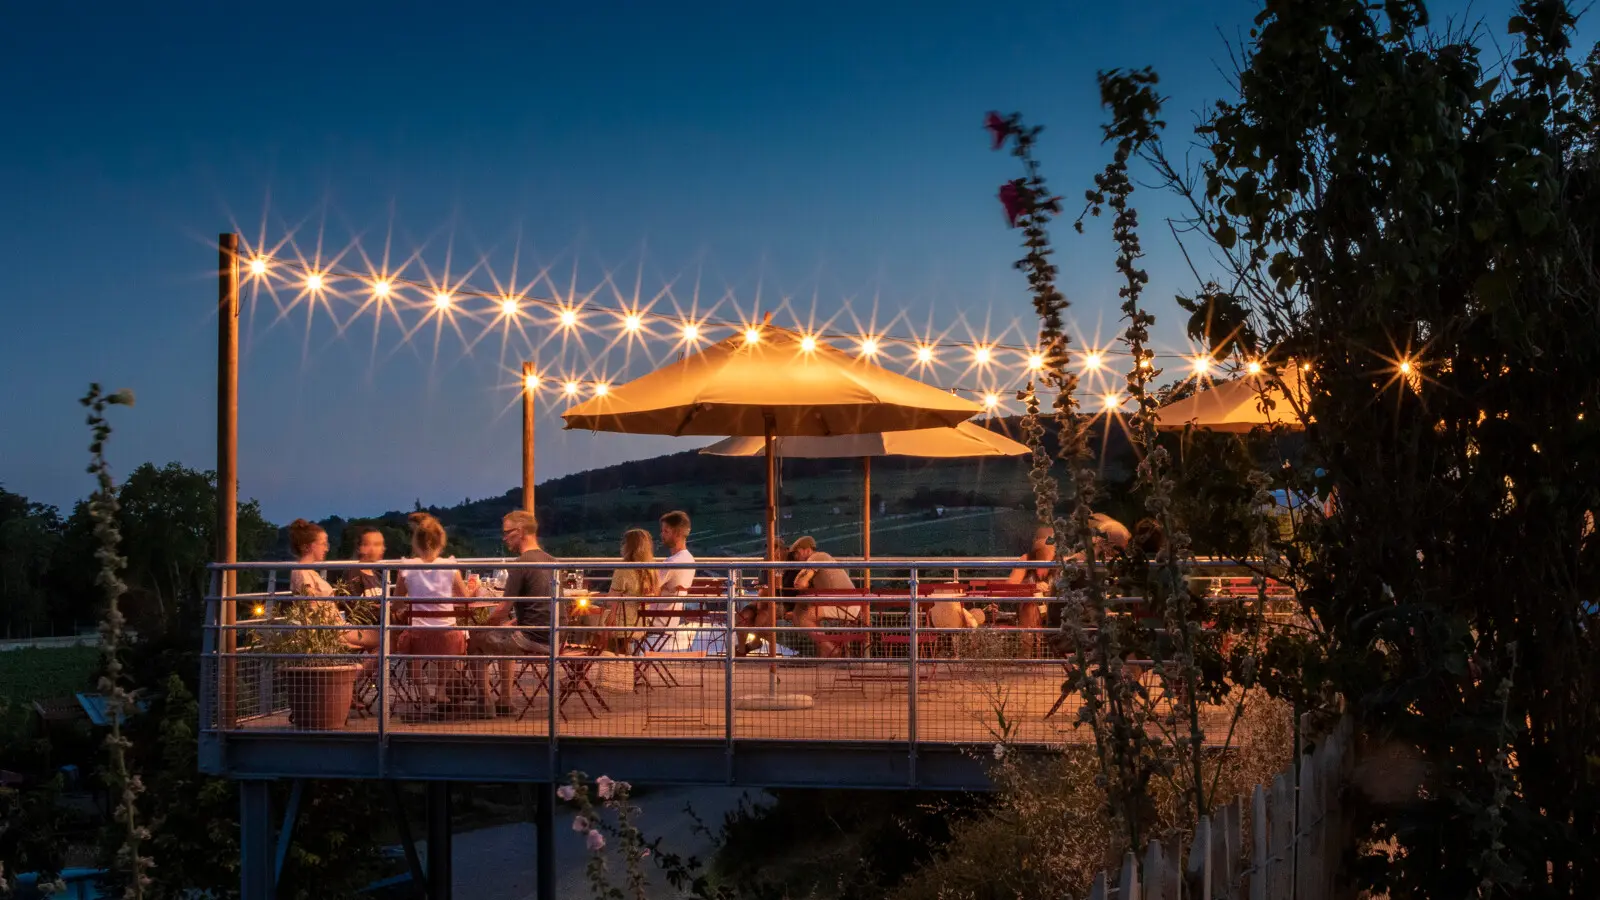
point(866, 518)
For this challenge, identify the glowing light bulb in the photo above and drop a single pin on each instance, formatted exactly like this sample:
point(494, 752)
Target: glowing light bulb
point(1145, 363)
point(991, 400)
point(1253, 367)
point(570, 389)
point(924, 354)
point(1091, 361)
point(569, 318)
point(258, 267)
point(869, 347)
point(691, 332)
point(530, 382)
point(1405, 367)
point(1111, 402)
point(1202, 365)
point(314, 281)
point(1305, 367)
point(259, 610)
point(602, 389)
point(981, 356)
point(509, 306)
point(1035, 362)
point(442, 300)
point(382, 288)
point(808, 344)
point(632, 322)
point(752, 335)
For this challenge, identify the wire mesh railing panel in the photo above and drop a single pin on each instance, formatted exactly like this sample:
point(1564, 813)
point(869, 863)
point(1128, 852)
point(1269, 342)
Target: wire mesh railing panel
point(934, 651)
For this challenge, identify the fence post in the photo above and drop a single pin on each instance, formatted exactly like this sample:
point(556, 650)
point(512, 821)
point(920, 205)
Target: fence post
point(1280, 852)
point(383, 676)
point(1228, 849)
point(1128, 884)
point(1258, 843)
point(1200, 857)
point(1098, 890)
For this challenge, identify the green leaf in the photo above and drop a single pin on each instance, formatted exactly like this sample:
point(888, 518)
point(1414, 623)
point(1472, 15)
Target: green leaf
point(1226, 236)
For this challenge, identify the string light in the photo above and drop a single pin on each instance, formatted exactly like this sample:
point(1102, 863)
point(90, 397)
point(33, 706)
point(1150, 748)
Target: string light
point(509, 305)
point(258, 267)
point(569, 318)
point(869, 346)
point(808, 344)
point(1202, 365)
point(632, 323)
point(1091, 362)
point(1035, 362)
point(442, 300)
point(691, 332)
point(1111, 402)
point(570, 389)
point(990, 401)
point(382, 288)
point(752, 335)
point(1253, 367)
point(530, 382)
point(602, 389)
point(314, 281)
point(924, 354)
point(982, 356)
point(1405, 367)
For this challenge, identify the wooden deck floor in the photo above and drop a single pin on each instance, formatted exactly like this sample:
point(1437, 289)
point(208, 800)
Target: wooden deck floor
point(956, 702)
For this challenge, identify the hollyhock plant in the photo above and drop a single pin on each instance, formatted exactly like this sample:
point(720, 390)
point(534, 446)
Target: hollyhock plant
point(999, 128)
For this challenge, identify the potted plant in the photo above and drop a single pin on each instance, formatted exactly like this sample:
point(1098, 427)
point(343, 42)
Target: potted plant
point(320, 691)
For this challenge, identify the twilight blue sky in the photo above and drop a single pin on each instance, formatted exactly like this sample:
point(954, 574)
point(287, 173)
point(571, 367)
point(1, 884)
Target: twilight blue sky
point(830, 154)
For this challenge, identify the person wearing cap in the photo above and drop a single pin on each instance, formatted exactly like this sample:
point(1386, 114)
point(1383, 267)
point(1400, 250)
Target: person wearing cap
point(820, 581)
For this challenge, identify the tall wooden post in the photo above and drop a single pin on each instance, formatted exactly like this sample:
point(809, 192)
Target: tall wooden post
point(530, 385)
point(228, 460)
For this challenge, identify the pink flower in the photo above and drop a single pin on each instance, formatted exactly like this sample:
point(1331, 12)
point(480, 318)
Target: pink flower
point(566, 792)
point(596, 841)
point(604, 787)
point(580, 824)
point(1011, 195)
point(999, 129)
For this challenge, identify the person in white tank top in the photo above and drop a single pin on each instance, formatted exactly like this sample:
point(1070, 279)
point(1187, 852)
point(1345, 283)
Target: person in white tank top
point(433, 630)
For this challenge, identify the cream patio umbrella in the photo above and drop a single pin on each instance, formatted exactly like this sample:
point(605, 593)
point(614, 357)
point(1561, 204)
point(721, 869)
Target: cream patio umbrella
point(1235, 406)
point(771, 382)
point(964, 440)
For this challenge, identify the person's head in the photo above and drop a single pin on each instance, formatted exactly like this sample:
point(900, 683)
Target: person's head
point(520, 530)
point(307, 541)
point(370, 545)
point(675, 529)
point(1148, 538)
point(1110, 536)
point(637, 546)
point(1043, 537)
point(803, 548)
point(427, 536)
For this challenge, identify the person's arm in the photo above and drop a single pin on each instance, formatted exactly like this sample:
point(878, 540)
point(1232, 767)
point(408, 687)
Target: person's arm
point(400, 586)
point(501, 614)
point(458, 586)
point(1018, 576)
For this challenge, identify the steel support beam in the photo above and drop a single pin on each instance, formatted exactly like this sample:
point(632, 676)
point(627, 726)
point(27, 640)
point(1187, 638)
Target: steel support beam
point(439, 850)
point(256, 881)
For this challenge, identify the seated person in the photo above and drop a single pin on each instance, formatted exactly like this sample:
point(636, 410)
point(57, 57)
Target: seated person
point(823, 581)
point(675, 541)
point(433, 630)
point(309, 543)
point(531, 616)
point(370, 548)
point(636, 548)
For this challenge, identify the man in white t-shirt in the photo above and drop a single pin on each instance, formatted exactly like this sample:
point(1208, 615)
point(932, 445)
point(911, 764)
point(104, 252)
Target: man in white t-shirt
point(675, 543)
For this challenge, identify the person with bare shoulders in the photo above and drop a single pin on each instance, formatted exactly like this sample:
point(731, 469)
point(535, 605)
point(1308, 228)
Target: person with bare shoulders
point(308, 542)
point(433, 630)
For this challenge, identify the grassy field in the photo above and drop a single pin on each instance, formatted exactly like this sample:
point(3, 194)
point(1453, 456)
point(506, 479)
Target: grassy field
point(39, 674)
point(728, 515)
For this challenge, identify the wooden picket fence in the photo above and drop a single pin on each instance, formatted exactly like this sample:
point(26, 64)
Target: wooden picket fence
point(1296, 841)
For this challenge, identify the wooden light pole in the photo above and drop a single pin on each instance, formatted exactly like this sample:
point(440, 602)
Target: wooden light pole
point(228, 457)
point(530, 385)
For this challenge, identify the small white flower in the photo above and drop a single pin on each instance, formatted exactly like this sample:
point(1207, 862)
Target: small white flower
point(596, 841)
point(580, 824)
point(999, 751)
point(604, 787)
point(566, 792)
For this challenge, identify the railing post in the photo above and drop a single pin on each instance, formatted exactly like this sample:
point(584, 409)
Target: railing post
point(555, 669)
point(383, 677)
point(727, 673)
point(208, 652)
point(911, 688)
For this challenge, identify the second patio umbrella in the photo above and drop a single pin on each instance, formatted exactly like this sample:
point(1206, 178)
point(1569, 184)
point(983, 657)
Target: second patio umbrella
point(1235, 406)
point(771, 382)
point(964, 440)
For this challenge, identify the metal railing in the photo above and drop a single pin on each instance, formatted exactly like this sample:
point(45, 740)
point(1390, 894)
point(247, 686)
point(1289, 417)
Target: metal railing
point(938, 651)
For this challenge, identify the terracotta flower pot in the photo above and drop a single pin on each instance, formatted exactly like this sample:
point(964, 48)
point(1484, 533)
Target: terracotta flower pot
point(319, 696)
